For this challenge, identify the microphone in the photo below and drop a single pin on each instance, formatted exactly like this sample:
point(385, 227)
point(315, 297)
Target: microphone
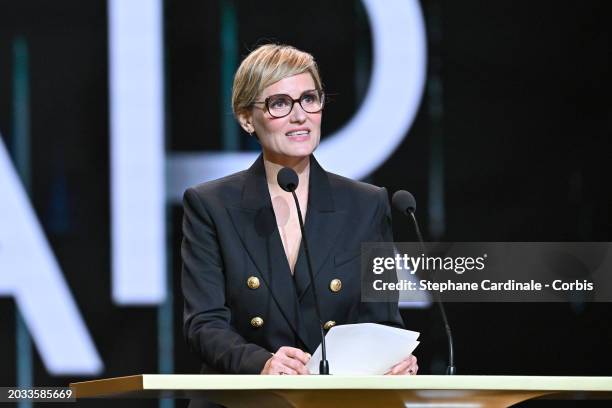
point(405, 203)
point(288, 180)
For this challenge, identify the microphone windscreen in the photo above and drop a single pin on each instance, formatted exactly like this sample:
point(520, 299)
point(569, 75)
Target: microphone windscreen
point(404, 201)
point(287, 179)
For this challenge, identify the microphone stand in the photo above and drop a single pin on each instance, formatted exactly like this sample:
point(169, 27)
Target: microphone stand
point(324, 364)
point(451, 369)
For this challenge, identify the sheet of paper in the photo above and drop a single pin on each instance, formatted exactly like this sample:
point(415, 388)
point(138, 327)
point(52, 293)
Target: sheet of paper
point(364, 349)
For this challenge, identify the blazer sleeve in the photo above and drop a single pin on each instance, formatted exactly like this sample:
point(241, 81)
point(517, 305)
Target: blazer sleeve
point(207, 318)
point(383, 312)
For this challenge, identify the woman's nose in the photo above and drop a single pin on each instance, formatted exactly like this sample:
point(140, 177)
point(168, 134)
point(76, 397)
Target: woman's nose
point(297, 115)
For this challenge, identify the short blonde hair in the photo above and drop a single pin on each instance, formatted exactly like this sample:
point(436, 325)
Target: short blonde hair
point(266, 65)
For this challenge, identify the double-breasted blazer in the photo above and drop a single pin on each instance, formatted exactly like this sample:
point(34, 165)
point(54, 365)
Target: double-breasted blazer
point(230, 236)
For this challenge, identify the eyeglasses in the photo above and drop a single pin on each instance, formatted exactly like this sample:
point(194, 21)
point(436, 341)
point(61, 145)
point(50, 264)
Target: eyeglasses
point(281, 105)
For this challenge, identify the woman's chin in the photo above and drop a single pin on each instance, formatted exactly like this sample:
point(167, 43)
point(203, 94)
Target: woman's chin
point(291, 151)
point(299, 150)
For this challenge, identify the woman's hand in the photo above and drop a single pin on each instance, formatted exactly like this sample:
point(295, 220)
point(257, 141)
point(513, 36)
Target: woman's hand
point(407, 366)
point(287, 360)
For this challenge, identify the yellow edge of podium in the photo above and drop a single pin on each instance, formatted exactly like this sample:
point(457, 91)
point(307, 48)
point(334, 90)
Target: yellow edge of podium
point(354, 391)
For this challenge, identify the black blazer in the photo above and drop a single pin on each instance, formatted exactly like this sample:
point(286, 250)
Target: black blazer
point(230, 235)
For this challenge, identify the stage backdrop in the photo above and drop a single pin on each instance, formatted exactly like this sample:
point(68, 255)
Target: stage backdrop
point(496, 115)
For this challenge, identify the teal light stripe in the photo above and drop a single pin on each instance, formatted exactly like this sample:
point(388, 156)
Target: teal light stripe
point(165, 321)
point(24, 357)
point(229, 63)
point(21, 156)
point(165, 311)
point(21, 111)
point(165, 317)
point(165, 334)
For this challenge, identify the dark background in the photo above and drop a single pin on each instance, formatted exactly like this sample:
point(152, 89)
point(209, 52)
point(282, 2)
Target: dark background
point(516, 113)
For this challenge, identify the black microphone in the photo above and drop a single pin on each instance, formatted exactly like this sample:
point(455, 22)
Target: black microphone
point(404, 202)
point(288, 180)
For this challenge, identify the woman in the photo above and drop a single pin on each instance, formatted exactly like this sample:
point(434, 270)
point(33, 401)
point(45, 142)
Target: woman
point(248, 304)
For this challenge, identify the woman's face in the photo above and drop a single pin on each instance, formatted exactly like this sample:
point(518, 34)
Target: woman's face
point(294, 136)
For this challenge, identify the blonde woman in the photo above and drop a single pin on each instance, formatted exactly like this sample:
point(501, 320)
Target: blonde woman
point(248, 303)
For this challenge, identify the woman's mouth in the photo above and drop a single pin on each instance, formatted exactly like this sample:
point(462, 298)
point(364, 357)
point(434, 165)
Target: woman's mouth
point(298, 135)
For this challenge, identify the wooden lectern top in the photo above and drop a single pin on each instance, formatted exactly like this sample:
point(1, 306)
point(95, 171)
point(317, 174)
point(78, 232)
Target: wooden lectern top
point(354, 391)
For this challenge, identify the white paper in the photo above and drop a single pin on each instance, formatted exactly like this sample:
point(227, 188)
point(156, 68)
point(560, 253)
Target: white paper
point(364, 349)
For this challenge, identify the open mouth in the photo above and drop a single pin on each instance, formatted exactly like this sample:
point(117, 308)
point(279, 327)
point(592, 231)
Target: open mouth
point(298, 133)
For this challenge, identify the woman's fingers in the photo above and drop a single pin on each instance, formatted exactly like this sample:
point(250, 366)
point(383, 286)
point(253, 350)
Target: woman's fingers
point(295, 353)
point(287, 360)
point(407, 366)
point(276, 366)
point(280, 368)
point(398, 368)
point(412, 360)
point(294, 364)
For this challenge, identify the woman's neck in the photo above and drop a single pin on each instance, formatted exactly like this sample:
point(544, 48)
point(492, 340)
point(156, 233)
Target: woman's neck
point(300, 165)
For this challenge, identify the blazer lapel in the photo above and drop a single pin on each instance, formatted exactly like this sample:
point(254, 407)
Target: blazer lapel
point(255, 223)
point(323, 224)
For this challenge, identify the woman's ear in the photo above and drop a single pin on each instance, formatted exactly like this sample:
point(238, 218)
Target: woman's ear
point(246, 122)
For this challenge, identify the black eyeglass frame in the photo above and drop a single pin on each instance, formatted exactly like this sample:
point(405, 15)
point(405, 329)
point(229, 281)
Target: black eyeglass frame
point(293, 101)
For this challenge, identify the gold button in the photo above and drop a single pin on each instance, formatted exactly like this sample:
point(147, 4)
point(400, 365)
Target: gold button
point(329, 324)
point(335, 285)
point(253, 282)
point(257, 322)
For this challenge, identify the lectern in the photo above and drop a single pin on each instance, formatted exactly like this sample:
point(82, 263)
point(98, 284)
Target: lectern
point(348, 391)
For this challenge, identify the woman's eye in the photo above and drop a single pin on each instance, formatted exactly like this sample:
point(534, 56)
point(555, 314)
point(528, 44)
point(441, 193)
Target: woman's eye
point(308, 98)
point(279, 103)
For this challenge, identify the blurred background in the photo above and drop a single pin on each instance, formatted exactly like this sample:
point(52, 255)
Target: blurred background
point(496, 115)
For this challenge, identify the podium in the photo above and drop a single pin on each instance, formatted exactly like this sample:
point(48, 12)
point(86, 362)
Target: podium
point(349, 391)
